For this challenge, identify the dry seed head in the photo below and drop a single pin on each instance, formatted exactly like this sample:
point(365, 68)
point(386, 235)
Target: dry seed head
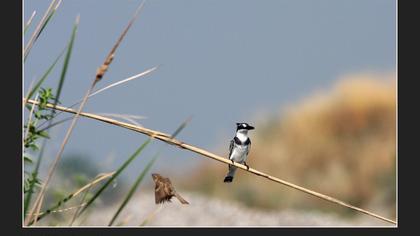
point(104, 67)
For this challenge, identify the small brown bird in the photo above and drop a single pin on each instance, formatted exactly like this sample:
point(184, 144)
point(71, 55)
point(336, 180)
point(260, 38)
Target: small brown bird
point(164, 190)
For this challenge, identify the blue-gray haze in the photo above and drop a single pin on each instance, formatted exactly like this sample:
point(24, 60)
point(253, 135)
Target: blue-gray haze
point(221, 62)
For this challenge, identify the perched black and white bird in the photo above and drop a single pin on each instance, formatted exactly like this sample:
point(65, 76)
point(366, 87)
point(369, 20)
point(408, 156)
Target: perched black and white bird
point(239, 148)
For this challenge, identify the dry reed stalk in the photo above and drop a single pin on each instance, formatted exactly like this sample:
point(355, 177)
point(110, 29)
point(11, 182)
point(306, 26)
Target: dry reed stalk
point(152, 214)
point(76, 213)
point(124, 80)
point(97, 180)
point(30, 19)
point(38, 28)
point(129, 118)
point(125, 220)
point(29, 91)
point(37, 207)
point(167, 138)
point(104, 67)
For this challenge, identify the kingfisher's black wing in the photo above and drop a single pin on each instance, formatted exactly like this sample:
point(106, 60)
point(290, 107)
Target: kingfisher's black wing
point(249, 147)
point(230, 148)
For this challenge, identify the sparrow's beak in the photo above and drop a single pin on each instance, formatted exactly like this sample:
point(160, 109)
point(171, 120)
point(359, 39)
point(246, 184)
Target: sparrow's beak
point(154, 177)
point(250, 127)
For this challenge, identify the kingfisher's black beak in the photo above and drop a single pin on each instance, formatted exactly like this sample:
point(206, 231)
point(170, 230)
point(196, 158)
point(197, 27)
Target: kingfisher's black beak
point(250, 127)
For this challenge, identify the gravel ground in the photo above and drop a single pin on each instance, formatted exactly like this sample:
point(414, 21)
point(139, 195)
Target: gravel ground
point(202, 212)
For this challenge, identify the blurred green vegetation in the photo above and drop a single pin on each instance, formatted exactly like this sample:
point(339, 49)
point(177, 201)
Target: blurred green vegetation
point(75, 171)
point(340, 142)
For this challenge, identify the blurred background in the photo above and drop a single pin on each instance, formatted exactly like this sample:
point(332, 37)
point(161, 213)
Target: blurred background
point(316, 78)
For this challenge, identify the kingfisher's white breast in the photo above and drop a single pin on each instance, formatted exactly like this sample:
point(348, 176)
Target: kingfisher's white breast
point(239, 153)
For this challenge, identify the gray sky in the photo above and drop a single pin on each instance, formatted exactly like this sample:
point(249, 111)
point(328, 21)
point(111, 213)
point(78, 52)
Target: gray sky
point(221, 61)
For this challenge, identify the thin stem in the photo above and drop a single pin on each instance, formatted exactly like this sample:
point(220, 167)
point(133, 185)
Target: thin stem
point(38, 28)
point(30, 118)
point(80, 205)
point(29, 21)
point(152, 214)
point(124, 80)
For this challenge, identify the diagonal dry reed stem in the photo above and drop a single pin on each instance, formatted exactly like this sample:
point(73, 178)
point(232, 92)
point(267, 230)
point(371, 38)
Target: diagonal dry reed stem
point(128, 118)
point(167, 138)
point(82, 204)
point(97, 180)
point(30, 19)
point(152, 214)
point(29, 91)
point(37, 207)
point(124, 80)
point(125, 220)
point(88, 187)
point(39, 27)
point(104, 67)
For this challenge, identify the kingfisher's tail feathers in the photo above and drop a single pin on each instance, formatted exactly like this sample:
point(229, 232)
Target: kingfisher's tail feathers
point(228, 179)
point(231, 173)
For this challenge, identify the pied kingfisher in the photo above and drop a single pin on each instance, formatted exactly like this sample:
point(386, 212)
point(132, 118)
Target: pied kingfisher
point(239, 148)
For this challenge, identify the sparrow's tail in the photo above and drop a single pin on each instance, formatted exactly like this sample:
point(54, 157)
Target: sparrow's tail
point(182, 200)
point(231, 173)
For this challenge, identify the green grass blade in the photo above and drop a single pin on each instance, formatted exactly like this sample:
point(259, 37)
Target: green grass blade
point(133, 189)
point(117, 173)
point(66, 62)
point(143, 173)
point(181, 127)
point(34, 174)
point(44, 76)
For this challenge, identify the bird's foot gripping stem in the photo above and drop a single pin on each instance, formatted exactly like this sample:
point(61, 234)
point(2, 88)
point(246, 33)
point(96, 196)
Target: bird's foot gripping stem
point(247, 166)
